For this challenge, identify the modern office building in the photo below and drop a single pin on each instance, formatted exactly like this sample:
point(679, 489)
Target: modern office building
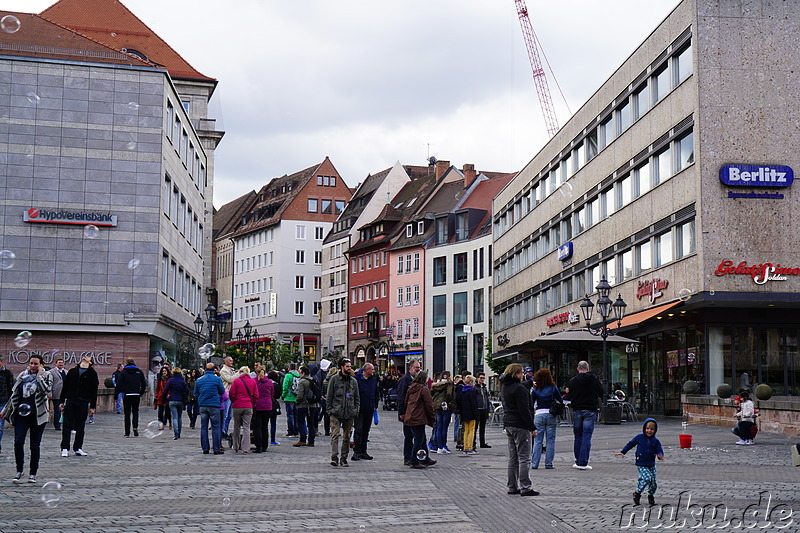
point(107, 179)
point(277, 261)
point(674, 181)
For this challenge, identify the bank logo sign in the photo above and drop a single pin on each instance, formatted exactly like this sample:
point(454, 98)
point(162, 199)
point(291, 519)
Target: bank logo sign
point(756, 175)
point(46, 216)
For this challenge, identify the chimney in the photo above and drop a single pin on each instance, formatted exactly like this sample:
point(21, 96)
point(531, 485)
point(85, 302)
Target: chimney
point(469, 174)
point(441, 168)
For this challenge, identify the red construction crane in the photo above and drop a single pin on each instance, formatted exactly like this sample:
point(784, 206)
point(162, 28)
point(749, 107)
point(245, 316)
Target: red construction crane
point(539, 78)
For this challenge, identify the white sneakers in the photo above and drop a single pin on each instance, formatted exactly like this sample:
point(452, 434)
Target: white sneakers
point(81, 452)
point(587, 467)
point(748, 442)
point(64, 453)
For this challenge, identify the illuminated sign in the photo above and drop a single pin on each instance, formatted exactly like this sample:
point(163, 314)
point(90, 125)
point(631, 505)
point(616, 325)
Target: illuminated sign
point(569, 316)
point(760, 273)
point(756, 175)
point(45, 216)
point(565, 251)
point(651, 288)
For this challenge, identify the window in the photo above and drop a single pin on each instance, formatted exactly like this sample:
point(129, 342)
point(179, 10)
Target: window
point(477, 305)
point(173, 280)
point(641, 101)
point(439, 270)
point(415, 331)
point(609, 268)
point(313, 205)
point(416, 295)
point(644, 258)
point(625, 194)
point(317, 257)
point(606, 132)
point(420, 227)
point(317, 308)
point(416, 261)
point(663, 246)
point(409, 230)
point(166, 195)
point(660, 83)
point(319, 233)
point(591, 145)
point(462, 225)
point(459, 308)
point(663, 166)
point(441, 230)
point(686, 238)
point(624, 116)
point(355, 265)
point(170, 119)
point(326, 207)
point(165, 273)
point(460, 267)
point(608, 204)
point(399, 264)
point(682, 64)
point(408, 262)
point(299, 257)
point(684, 148)
point(182, 215)
point(338, 207)
point(299, 308)
point(399, 296)
point(300, 232)
point(642, 178)
point(627, 265)
point(439, 311)
point(579, 225)
point(299, 282)
point(408, 295)
point(408, 328)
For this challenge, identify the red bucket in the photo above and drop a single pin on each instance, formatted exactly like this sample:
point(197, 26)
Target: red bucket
point(685, 440)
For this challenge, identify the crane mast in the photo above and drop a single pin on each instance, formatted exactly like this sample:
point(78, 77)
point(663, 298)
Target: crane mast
point(539, 78)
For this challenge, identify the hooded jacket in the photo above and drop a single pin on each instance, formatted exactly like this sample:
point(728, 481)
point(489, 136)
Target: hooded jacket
point(419, 406)
point(266, 394)
point(131, 381)
point(287, 395)
point(444, 391)
point(80, 386)
point(647, 448)
point(516, 404)
point(176, 389)
point(467, 400)
point(343, 400)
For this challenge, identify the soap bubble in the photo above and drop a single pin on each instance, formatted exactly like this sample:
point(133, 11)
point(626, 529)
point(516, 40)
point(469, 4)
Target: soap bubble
point(23, 338)
point(422, 455)
point(685, 294)
point(131, 145)
point(226, 303)
point(206, 350)
point(51, 494)
point(133, 105)
point(553, 523)
point(10, 24)
point(113, 34)
point(91, 231)
point(362, 528)
point(566, 190)
point(133, 263)
point(153, 429)
point(226, 501)
point(24, 409)
point(32, 97)
point(7, 259)
point(711, 291)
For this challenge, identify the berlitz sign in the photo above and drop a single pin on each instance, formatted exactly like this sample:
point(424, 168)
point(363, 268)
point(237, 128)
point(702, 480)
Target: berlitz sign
point(760, 273)
point(45, 216)
point(651, 288)
point(756, 175)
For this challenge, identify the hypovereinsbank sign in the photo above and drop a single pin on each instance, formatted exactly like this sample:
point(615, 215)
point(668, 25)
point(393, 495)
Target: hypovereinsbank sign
point(62, 216)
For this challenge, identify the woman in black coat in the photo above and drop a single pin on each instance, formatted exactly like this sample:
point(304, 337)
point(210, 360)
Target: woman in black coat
point(520, 429)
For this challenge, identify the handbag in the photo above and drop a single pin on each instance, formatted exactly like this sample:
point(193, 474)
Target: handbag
point(557, 409)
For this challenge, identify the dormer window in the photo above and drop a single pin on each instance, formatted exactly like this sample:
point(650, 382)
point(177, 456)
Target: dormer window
point(409, 230)
point(420, 227)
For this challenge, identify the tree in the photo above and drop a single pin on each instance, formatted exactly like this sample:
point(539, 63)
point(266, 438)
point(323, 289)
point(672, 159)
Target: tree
point(497, 365)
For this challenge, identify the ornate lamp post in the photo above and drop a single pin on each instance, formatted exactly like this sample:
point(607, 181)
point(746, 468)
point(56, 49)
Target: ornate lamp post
point(391, 347)
point(604, 308)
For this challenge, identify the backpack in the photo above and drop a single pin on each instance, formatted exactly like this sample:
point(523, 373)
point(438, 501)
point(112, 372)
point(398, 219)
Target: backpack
point(313, 394)
point(295, 381)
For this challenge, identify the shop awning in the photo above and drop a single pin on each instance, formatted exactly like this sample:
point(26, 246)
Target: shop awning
point(576, 340)
point(647, 314)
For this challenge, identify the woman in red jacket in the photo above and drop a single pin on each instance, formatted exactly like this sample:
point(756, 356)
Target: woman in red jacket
point(419, 413)
point(243, 394)
point(261, 415)
point(159, 402)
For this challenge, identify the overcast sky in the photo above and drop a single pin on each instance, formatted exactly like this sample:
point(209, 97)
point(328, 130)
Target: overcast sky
point(372, 82)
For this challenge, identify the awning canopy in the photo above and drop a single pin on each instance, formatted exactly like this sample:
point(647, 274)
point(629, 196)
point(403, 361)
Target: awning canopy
point(647, 314)
point(576, 340)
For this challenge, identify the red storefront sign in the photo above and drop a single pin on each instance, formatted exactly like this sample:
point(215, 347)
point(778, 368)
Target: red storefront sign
point(569, 316)
point(760, 273)
point(651, 288)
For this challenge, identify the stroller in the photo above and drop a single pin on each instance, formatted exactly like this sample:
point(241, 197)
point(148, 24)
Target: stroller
point(390, 401)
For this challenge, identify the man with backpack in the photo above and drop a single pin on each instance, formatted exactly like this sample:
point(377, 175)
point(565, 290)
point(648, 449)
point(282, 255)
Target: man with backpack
point(369, 392)
point(308, 395)
point(289, 397)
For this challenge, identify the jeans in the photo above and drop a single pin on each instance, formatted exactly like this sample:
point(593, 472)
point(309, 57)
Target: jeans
point(75, 412)
point(56, 402)
point(442, 423)
point(2, 424)
point(408, 443)
point(545, 427)
point(307, 424)
point(176, 410)
point(418, 433)
point(261, 429)
point(519, 453)
point(21, 426)
point(456, 426)
point(226, 423)
point(119, 402)
point(241, 428)
point(210, 414)
point(273, 424)
point(131, 404)
point(291, 418)
point(482, 417)
point(164, 416)
point(582, 428)
point(192, 411)
point(361, 431)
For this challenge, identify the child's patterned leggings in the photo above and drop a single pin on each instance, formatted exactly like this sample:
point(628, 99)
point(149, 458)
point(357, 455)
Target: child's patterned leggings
point(647, 476)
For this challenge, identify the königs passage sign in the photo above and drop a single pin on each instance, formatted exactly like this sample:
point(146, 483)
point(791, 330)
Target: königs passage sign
point(46, 216)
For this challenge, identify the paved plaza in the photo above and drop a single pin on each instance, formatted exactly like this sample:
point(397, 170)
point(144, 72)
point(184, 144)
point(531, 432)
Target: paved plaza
point(160, 485)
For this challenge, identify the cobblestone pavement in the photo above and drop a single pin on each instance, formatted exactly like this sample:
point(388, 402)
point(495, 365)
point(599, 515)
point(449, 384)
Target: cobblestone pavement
point(161, 485)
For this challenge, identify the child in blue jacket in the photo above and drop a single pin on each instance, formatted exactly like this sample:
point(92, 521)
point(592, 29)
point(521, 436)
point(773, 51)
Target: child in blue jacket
point(648, 447)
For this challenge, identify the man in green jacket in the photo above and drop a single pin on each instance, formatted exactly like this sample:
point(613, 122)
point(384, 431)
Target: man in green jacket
point(290, 400)
point(343, 405)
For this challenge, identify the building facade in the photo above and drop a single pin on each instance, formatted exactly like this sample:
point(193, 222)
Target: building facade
point(654, 185)
point(106, 187)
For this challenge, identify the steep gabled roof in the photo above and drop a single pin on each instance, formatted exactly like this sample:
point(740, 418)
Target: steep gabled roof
point(227, 217)
point(42, 38)
point(111, 23)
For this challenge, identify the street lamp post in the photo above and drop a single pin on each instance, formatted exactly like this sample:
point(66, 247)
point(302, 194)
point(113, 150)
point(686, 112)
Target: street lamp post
point(390, 347)
point(604, 308)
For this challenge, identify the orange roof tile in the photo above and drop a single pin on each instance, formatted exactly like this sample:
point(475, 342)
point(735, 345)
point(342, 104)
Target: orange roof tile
point(111, 23)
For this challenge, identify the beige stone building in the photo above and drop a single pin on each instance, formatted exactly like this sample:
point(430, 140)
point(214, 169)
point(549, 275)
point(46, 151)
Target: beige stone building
point(673, 181)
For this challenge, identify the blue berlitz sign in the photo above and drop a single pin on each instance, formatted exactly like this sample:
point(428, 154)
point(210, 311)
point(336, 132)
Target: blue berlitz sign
point(565, 251)
point(756, 175)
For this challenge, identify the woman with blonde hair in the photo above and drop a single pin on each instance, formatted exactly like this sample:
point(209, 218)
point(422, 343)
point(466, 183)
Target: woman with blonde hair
point(243, 395)
point(543, 395)
point(520, 428)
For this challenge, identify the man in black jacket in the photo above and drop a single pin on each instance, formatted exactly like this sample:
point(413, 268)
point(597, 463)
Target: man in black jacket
point(583, 391)
point(78, 399)
point(132, 385)
point(520, 429)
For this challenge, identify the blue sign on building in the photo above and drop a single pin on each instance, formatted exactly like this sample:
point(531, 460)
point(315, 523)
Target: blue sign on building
point(565, 251)
point(756, 175)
